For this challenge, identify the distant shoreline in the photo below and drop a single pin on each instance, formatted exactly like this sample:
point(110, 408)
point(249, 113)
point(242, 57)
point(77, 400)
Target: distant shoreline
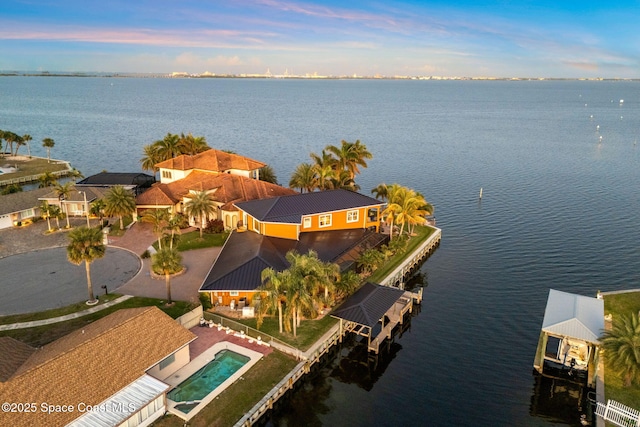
point(301, 77)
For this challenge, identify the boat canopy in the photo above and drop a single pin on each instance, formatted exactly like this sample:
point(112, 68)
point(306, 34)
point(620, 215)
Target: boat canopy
point(574, 316)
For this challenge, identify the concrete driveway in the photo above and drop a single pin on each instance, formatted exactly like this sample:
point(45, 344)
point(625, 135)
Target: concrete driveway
point(44, 279)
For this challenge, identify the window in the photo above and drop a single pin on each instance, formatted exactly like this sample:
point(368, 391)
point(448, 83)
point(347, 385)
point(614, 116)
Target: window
point(325, 220)
point(167, 361)
point(352, 216)
point(306, 222)
point(373, 215)
point(166, 174)
point(234, 293)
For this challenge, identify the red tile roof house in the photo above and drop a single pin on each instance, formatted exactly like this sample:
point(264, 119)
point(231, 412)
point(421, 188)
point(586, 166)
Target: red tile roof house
point(108, 373)
point(337, 224)
point(227, 178)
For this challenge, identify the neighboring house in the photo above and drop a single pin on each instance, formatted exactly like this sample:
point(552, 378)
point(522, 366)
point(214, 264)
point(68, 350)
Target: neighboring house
point(17, 207)
point(227, 178)
point(78, 202)
point(212, 160)
point(136, 182)
point(114, 366)
point(569, 339)
point(337, 224)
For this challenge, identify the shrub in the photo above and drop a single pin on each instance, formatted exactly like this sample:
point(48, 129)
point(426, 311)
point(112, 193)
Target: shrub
point(146, 254)
point(205, 301)
point(214, 226)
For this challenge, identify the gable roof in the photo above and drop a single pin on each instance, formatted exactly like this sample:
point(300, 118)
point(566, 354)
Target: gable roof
point(229, 188)
point(290, 209)
point(211, 160)
point(14, 354)
point(574, 316)
point(23, 200)
point(117, 178)
point(244, 255)
point(368, 304)
point(93, 363)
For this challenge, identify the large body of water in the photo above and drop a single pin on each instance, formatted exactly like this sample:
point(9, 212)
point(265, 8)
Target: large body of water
point(560, 209)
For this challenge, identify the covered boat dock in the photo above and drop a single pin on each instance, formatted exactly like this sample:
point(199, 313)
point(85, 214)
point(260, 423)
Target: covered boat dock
point(373, 312)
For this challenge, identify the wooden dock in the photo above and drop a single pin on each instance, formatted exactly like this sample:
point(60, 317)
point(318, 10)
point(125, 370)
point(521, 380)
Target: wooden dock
point(396, 316)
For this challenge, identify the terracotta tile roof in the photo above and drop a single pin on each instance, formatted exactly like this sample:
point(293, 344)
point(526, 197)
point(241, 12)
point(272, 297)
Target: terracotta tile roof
point(91, 364)
point(229, 188)
point(211, 160)
point(14, 354)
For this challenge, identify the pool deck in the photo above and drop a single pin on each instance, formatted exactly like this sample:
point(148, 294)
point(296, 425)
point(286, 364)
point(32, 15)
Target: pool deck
point(210, 341)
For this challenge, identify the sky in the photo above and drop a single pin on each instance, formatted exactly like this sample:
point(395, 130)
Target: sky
point(465, 38)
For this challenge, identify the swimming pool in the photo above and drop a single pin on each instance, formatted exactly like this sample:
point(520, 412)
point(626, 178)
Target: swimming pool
point(197, 386)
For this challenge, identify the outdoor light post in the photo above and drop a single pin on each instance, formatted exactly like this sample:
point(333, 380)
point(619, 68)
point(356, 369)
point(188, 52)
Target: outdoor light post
point(86, 207)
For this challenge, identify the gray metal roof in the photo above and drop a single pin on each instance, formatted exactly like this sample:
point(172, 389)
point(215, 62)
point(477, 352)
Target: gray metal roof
point(290, 209)
point(574, 316)
point(131, 399)
point(118, 178)
point(368, 304)
point(244, 255)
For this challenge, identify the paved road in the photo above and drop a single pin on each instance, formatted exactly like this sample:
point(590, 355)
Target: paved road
point(45, 279)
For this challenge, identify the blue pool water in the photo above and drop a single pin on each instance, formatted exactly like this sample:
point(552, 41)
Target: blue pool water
point(209, 377)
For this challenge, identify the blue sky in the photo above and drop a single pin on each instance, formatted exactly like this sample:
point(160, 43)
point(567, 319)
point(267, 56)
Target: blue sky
point(463, 38)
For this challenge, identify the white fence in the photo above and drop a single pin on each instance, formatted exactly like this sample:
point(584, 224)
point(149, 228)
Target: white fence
point(190, 319)
point(618, 414)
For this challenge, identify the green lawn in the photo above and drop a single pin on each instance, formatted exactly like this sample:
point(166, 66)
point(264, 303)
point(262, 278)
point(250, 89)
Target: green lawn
point(422, 234)
point(620, 305)
point(42, 335)
point(34, 166)
point(192, 240)
point(241, 396)
point(114, 224)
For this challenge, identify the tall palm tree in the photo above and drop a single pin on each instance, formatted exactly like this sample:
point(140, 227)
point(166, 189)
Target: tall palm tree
point(45, 212)
point(85, 244)
point(267, 174)
point(200, 206)
point(158, 218)
point(167, 261)
point(380, 191)
point(97, 209)
point(349, 156)
point(168, 147)
point(189, 144)
point(26, 138)
point(173, 227)
point(10, 138)
point(63, 191)
point(622, 347)
point(151, 158)
point(48, 143)
point(119, 202)
point(304, 178)
point(273, 291)
point(19, 143)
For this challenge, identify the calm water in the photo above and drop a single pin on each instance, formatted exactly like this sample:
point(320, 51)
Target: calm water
point(559, 208)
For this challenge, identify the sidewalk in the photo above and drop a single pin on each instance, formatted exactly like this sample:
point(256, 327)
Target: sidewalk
point(33, 324)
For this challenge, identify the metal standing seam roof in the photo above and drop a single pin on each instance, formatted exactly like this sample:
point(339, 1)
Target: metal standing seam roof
point(574, 316)
point(290, 209)
point(117, 178)
point(369, 304)
point(130, 400)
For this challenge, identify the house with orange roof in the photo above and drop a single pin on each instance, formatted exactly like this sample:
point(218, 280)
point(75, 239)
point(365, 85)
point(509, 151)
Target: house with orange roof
point(108, 373)
point(227, 178)
point(337, 224)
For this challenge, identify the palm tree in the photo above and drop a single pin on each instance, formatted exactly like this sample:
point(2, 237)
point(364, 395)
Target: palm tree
point(348, 283)
point(48, 143)
point(167, 261)
point(63, 191)
point(349, 156)
point(45, 211)
point(150, 158)
point(189, 144)
point(85, 244)
point(267, 174)
point(168, 147)
point(304, 178)
point(158, 218)
point(200, 206)
point(370, 260)
point(75, 174)
point(26, 138)
point(380, 192)
point(119, 202)
point(173, 227)
point(19, 143)
point(47, 179)
point(97, 209)
point(10, 138)
point(273, 291)
point(622, 347)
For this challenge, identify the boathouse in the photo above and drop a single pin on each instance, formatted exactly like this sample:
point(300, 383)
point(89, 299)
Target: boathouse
point(568, 341)
point(373, 312)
